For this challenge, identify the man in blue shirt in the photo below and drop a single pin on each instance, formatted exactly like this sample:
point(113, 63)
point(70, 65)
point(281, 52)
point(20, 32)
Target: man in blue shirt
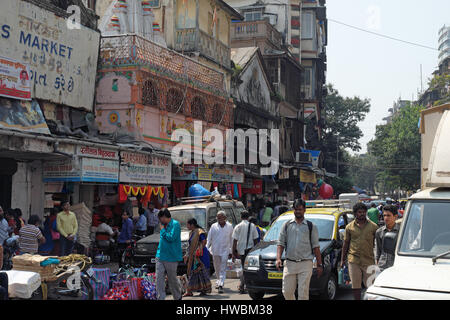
point(126, 233)
point(141, 224)
point(168, 255)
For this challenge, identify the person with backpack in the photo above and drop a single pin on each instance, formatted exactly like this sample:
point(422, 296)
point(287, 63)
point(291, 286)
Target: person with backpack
point(300, 239)
point(245, 237)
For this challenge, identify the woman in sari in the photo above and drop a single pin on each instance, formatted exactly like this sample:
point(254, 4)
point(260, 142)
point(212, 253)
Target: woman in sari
point(197, 260)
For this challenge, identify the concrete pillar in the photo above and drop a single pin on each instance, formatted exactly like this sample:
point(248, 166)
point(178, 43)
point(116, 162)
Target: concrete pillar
point(21, 191)
point(37, 189)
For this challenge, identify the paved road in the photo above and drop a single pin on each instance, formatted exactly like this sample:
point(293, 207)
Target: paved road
point(231, 291)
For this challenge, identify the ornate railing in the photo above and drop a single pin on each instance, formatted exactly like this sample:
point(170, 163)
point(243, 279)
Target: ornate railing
point(192, 40)
point(255, 29)
point(133, 50)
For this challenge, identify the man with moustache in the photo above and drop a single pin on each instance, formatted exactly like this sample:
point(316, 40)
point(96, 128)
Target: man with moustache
point(359, 245)
point(300, 238)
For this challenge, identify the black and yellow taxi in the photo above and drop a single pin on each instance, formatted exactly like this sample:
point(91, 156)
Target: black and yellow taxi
point(260, 272)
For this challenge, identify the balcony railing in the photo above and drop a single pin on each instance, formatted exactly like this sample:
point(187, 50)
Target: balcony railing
point(247, 30)
point(133, 50)
point(192, 40)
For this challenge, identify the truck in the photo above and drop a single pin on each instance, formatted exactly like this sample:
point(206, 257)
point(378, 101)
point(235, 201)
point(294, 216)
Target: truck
point(421, 267)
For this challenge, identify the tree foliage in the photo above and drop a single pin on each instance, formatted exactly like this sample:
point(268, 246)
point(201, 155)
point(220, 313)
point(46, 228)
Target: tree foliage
point(396, 148)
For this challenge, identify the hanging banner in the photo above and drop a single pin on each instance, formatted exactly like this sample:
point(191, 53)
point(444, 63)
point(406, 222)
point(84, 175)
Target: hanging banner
point(257, 187)
point(142, 168)
point(98, 170)
point(14, 79)
point(307, 176)
point(315, 154)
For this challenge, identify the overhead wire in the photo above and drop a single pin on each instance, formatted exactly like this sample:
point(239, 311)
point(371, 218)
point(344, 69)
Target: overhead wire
point(383, 35)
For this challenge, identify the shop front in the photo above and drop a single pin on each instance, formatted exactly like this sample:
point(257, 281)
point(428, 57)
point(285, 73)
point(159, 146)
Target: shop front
point(227, 179)
point(144, 178)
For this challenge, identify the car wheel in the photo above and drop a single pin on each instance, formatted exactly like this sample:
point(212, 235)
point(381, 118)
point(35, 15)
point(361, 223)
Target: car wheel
point(329, 292)
point(256, 295)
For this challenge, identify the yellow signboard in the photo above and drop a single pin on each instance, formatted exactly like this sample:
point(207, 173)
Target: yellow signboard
point(204, 174)
point(307, 176)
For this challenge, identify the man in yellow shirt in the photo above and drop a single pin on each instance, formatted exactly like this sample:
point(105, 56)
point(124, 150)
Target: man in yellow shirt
point(67, 226)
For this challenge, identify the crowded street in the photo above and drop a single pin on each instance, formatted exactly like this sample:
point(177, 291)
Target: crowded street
point(224, 155)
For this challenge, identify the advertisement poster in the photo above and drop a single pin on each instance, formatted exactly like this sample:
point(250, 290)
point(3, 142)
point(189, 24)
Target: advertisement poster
point(14, 79)
point(22, 115)
point(307, 176)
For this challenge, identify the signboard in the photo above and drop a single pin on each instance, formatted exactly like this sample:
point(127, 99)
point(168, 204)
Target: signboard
point(224, 173)
point(14, 79)
point(95, 152)
point(99, 170)
point(145, 169)
point(315, 154)
point(186, 172)
point(256, 187)
point(62, 61)
point(204, 174)
point(307, 176)
point(22, 115)
point(66, 171)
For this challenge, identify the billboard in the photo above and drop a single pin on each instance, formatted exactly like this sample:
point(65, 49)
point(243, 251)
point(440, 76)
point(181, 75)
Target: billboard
point(62, 61)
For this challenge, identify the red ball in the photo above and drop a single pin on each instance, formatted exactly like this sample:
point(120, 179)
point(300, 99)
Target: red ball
point(326, 191)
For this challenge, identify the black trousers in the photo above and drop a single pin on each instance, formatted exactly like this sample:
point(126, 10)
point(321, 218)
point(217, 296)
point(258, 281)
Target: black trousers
point(3, 286)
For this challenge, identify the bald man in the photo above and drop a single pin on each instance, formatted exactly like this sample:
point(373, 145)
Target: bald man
point(219, 244)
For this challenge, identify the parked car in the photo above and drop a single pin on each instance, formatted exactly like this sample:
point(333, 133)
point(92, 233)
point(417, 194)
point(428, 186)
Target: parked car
point(260, 272)
point(204, 212)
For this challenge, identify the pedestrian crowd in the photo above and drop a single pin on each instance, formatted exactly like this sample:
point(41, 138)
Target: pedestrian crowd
point(298, 240)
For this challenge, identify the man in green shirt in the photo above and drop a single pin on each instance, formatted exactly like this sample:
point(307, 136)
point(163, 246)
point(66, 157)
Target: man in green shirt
point(373, 213)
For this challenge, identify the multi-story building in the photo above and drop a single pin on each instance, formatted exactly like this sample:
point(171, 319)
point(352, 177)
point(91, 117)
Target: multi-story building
point(148, 90)
point(395, 109)
point(444, 49)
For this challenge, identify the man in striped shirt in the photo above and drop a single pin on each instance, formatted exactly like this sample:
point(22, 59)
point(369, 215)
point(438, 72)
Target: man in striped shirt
point(31, 236)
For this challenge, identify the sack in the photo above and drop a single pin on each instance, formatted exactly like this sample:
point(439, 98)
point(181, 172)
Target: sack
point(118, 293)
point(198, 190)
point(22, 284)
point(103, 276)
point(149, 290)
point(136, 289)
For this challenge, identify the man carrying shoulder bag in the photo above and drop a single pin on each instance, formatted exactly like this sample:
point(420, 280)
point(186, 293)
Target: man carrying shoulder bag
point(245, 237)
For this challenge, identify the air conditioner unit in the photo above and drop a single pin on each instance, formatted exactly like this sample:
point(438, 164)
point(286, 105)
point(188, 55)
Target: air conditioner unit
point(303, 157)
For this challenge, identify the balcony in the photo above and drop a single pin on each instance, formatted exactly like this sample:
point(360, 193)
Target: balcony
point(189, 40)
point(254, 30)
point(135, 51)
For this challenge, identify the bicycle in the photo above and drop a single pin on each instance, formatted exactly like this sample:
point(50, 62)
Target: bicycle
point(126, 258)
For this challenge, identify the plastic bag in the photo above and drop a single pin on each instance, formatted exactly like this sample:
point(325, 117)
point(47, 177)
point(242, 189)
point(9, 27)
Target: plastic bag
point(198, 190)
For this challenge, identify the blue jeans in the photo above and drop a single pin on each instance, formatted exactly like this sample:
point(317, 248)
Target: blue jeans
point(66, 246)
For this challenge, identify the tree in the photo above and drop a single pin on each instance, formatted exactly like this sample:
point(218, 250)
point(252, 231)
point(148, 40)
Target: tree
point(396, 147)
point(341, 116)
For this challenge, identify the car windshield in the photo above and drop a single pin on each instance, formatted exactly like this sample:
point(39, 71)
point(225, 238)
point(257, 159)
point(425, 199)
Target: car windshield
point(324, 223)
point(427, 230)
point(183, 215)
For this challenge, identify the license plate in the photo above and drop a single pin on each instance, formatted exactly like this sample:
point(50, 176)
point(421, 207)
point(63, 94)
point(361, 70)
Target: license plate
point(275, 275)
point(90, 272)
point(153, 260)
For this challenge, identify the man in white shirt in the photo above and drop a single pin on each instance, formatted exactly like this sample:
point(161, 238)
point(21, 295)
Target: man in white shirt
point(104, 229)
point(245, 237)
point(219, 244)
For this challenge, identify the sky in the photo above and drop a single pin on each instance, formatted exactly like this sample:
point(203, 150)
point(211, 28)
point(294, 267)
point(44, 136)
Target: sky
point(368, 66)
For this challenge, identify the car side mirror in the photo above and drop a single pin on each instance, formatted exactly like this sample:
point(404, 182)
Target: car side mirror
point(389, 242)
point(341, 234)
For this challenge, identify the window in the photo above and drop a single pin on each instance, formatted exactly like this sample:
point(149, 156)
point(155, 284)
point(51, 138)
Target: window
point(307, 77)
point(198, 108)
point(182, 216)
point(174, 100)
point(217, 113)
point(149, 96)
point(253, 16)
point(307, 25)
